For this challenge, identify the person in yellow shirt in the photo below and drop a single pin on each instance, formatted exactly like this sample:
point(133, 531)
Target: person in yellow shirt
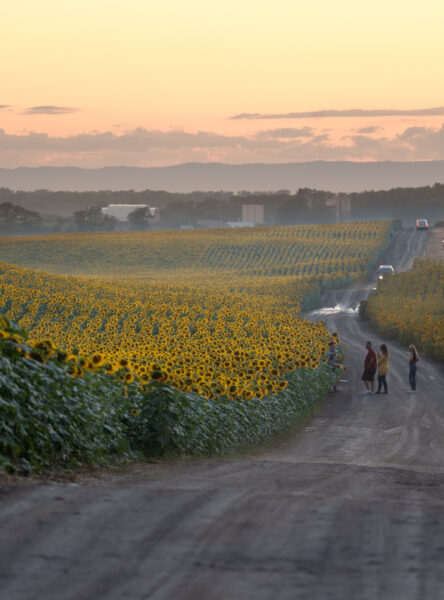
point(383, 368)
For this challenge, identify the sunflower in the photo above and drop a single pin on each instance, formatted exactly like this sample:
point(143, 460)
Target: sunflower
point(128, 378)
point(97, 359)
point(75, 371)
point(37, 355)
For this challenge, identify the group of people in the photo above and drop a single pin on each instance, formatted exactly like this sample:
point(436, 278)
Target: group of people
point(376, 364)
point(379, 363)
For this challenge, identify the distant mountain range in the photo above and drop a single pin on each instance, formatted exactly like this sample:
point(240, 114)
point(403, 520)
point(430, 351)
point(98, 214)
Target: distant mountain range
point(333, 176)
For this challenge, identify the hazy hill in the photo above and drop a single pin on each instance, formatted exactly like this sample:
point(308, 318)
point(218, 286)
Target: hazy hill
point(333, 176)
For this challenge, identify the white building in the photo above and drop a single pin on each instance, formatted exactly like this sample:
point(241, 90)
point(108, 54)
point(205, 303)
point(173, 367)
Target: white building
point(122, 211)
point(253, 213)
point(341, 204)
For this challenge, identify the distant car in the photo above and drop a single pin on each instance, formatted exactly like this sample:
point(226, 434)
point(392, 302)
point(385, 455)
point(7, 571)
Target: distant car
point(421, 224)
point(385, 270)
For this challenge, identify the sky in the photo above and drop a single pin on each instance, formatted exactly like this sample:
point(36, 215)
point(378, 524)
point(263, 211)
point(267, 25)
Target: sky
point(95, 83)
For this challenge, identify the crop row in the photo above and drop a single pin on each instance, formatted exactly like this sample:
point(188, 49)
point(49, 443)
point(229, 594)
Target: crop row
point(144, 254)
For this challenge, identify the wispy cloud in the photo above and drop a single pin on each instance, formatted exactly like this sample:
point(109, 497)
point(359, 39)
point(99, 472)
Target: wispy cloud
point(352, 112)
point(287, 132)
point(49, 110)
point(368, 129)
point(4, 106)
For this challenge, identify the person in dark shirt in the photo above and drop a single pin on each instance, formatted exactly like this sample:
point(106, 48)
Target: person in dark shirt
point(370, 367)
point(414, 357)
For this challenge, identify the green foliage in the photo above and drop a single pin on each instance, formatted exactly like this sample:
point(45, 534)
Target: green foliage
point(49, 418)
point(175, 422)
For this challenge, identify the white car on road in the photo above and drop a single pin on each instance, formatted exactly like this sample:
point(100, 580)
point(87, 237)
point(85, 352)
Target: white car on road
point(384, 270)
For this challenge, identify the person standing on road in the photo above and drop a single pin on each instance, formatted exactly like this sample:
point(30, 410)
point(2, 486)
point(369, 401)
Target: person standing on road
point(414, 357)
point(370, 366)
point(332, 360)
point(383, 368)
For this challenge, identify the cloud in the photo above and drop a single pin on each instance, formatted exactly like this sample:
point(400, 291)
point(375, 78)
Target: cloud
point(287, 132)
point(368, 129)
point(412, 133)
point(353, 112)
point(142, 147)
point(137, 140)
point(49, 110)
point(426, 141)
point(4, 106)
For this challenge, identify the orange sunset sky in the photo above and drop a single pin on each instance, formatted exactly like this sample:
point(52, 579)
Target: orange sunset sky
point(140, 82)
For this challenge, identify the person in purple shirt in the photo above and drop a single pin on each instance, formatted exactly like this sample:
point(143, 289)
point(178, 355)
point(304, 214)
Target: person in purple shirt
point(370, 368)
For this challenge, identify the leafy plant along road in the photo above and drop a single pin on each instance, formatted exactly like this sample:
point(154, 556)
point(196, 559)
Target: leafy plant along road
point(348, 507)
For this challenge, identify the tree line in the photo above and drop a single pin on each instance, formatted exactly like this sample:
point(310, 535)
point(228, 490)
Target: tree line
point(46, 211)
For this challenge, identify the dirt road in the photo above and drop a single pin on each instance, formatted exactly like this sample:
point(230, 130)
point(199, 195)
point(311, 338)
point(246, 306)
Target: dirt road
point(349, 507)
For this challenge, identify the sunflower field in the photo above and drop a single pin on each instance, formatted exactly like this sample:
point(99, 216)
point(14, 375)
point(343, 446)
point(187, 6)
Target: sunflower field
point(218, 328)
point(50, 418)
point(211, 318)
point(420, 294)
point(330, 251)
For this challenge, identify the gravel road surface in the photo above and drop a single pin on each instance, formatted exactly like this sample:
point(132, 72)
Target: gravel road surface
point(351, 506)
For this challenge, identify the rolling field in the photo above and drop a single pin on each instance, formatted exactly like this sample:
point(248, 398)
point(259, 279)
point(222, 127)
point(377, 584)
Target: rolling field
point(211, 312)
point(344, 249)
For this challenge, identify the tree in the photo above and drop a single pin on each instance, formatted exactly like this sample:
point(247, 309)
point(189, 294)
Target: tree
point(93, 219)
point(140, 218)
point(16, 219)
